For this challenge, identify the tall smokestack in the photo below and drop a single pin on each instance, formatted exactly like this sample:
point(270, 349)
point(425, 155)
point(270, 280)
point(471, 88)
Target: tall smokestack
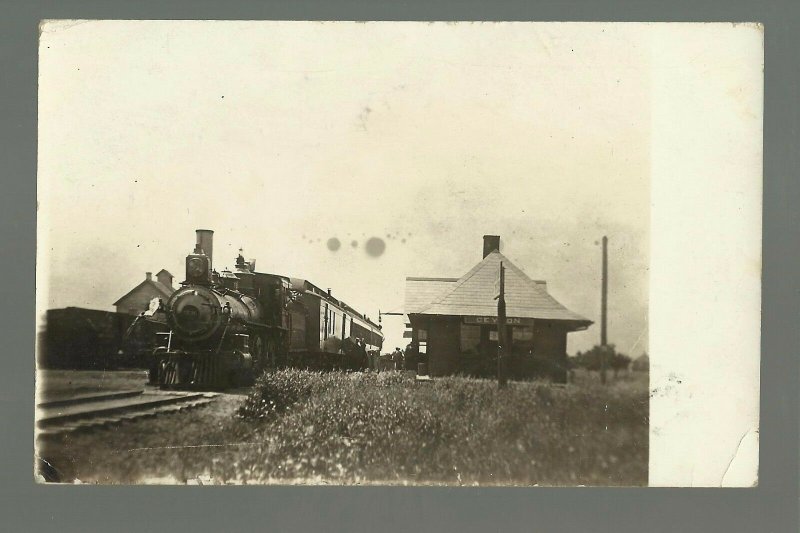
point(490, 244)
point(205, 242)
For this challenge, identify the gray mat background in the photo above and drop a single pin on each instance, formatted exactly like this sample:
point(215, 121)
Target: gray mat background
point(772, 506)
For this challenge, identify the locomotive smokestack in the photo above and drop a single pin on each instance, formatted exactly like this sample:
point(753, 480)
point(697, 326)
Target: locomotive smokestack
point(205, 242)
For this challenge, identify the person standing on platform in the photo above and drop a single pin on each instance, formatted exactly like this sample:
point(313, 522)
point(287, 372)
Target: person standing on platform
point(395, 359)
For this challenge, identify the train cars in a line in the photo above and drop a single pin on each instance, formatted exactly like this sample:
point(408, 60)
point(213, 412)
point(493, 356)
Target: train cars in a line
point(326, 332)
point(227, 327)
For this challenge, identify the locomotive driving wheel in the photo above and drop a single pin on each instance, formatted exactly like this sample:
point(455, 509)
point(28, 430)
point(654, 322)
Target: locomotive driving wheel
point(264, 353)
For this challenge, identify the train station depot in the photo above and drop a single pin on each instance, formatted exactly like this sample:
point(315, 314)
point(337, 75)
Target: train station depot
point(454, 321)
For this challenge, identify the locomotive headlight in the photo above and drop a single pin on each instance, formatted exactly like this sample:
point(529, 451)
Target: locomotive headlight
point(196, 267)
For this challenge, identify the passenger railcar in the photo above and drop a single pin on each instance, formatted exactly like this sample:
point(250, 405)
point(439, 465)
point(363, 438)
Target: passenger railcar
point(328, 333)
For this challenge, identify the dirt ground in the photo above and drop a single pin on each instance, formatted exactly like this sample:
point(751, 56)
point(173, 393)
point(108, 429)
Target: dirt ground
point(116, 454)
point(52, 384)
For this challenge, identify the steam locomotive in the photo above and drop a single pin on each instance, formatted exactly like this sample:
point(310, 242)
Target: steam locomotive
point(225, 328)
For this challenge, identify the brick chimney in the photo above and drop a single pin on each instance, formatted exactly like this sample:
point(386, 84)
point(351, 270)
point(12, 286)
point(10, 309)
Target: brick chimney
point(490, 244)
point(148, 276)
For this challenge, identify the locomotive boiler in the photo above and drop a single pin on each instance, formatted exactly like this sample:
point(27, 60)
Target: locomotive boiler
point(227, 327)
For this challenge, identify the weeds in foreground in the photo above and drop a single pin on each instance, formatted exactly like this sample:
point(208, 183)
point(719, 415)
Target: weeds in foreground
point(361, 427)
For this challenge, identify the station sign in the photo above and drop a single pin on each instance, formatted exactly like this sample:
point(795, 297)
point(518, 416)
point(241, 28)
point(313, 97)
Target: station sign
point(492, 321)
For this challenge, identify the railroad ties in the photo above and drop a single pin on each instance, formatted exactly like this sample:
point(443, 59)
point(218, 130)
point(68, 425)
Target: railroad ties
point(105, 409)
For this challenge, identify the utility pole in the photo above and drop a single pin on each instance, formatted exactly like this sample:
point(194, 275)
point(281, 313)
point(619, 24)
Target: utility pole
point(502, 380)
point(603, 312)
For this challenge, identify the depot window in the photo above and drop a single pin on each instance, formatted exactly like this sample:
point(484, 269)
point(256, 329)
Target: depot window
point(524, 333)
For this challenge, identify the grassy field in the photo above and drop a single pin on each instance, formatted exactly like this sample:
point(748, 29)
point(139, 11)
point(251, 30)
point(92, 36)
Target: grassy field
point(363, 428)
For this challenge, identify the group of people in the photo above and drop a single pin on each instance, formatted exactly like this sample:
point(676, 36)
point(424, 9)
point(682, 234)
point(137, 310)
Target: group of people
point(360, 356)
point(384, 362)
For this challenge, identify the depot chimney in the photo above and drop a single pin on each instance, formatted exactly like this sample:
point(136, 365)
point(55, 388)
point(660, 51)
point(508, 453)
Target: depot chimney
point(205, 242)
point(490, 244)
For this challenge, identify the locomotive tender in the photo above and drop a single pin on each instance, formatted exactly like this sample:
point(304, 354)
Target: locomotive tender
point(227, 327)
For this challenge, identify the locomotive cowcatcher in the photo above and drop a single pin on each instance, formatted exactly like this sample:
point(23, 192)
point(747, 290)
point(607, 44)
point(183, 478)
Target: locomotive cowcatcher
point(226, 328)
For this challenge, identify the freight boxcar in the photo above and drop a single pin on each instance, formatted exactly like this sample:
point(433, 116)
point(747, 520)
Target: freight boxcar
point(84, 339)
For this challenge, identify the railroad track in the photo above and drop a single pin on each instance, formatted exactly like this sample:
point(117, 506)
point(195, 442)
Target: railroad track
point(86, 411)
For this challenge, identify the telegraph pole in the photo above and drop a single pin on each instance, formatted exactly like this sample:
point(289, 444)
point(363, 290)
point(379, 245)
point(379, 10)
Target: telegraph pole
point(502, 380)
point(603, 312)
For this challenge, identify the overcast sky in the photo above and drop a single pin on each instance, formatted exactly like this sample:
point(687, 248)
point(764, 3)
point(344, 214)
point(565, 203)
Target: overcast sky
point(282, 136)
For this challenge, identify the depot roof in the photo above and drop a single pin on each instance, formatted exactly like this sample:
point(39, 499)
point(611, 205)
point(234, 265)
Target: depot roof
point(473, 294)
